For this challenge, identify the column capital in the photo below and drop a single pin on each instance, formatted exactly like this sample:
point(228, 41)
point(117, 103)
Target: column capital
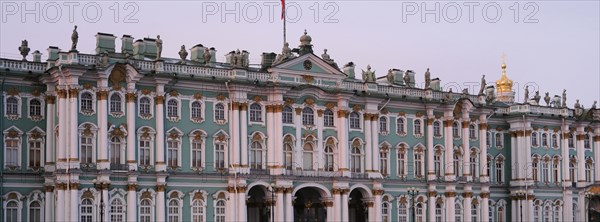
point(328, 203)
point(74, 93)
point(320, 112)
point(450, 194)
point(432, 193)
point(378, 192)
point(596, 138)
point(48, 188)
point(448, 122)
point(131, 96)
point(62, 93)
point(132, 187)
point(466, 123)
point(50, 99)
point(483, 126)
point(243, 106)
point(468, 194)
point(343, 113)
point(102, 95)
point(161, 187)
point(160, 99)
point(369, 204)
point(298, 110)
point(485, 195)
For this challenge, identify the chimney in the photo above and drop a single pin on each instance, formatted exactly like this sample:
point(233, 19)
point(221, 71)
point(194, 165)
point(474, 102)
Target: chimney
point(151, 49)
point(105, 42)
point(349, 70)
point(229, 57)
point(127, 44)
point(213, 55)
point(411, 76)
point(53, 53)
point(37, 56)
point(197, 53)
point(435, 84)
point(267, 60)
point(139, 49)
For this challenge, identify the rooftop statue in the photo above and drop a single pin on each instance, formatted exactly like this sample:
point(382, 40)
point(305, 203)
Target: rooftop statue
point(286, 53)
point(537, 97)
point(74, 39)
point(594, 105)
point(207, 56)
point(325, 56)
point(368, 76)
point(526, 97)
point(577, 105)
point(159, 44)
point(183, 54)
point(406, 78)
point(245, 58)
point(483, 84)
point(427, 79)
point(103, 61)
point(448, 96)
point(490, 95)
point(24, 49)
point(547, 99)
point(564, 98)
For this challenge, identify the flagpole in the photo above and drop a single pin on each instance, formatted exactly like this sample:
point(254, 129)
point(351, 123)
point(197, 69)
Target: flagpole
point(284, 21)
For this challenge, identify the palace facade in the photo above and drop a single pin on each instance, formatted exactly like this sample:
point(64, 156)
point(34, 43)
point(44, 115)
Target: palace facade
point(126, 136)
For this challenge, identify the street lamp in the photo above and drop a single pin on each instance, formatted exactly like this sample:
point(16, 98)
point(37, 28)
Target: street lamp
point(272, 190)
point(101, 185)
point(413, 192)
point(521, 194)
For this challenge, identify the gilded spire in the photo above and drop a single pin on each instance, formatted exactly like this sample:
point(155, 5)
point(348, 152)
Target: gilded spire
point(504, 84)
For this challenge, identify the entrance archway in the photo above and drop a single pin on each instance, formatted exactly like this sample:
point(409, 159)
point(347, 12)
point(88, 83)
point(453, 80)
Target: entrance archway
point(357, 207)
point(258, 204)
point(308, 205)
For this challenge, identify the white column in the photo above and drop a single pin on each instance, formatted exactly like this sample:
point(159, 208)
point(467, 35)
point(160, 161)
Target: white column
point(566, 173)
point(49, 204)
point(568, 205)
point(104, 192)
point(483, 149)
point(73, 151)
point(342, 133)
point(74, 204)
point(131, 144)
point(485, 204)
point(345, 194)
point(279, 211)
point(377, 205)
point(596, 153)
point(270, 122)
point(337, 204)
point(234, 129)
point(369, 150)
point(466, 164)
point(371, 211)
point(102, 147)
point(430, 152)
point(160, 203)
point(277, 137)
point(375, 146)
point(448, 147)
point(243, 148)
point(60, 199)
point(581, 207)
point(131, 203)
point(62, 129)
point(50, 137)
point(160, 132)
point(467, 205)
point(450, 198)
point(580, 159)
point(514, 206)
point(431, 208)
point(320, 149)
point(289, 208)
point(330, 211)
point(243, 214)
point(297, 153)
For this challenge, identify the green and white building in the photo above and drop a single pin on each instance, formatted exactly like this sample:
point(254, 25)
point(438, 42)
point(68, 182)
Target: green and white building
point(125, 136)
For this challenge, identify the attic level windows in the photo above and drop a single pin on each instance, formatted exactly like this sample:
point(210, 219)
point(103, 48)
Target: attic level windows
point(255, 112)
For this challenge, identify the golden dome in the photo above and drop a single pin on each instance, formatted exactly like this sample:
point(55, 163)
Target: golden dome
point(504, 84)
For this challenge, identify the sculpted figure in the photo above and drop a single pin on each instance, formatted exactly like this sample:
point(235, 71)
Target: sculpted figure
point(427, 79)
point(207, 56)
point(159, 44)
point(483, 84)
point(547, 99)
point(286, 53)
point(594, 105)
point(24, 49)
point(245, 60)
point(564, 98)
point(183, 54)
point(526, 94)
point(368, 76)
point(577, 105)
point(537, 97)
point(406, 78)
point(74, 39)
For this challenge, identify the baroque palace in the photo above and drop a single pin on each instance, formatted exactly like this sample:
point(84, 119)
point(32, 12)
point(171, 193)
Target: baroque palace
point(132, 136)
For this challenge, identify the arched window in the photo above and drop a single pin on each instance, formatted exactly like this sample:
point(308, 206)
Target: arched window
point(86, 102)
point(287, 115)
point(35, 108)
point(86, 210)
point(499, 140)
point(307, 157)
point(117, 210)
point(547, 214)
point(500, 170)
point(219, 111)
point(12, 106)
point(308, 116)
point(438, 213)
point(455, 130)
point(255, 112)
point(420, 217)
point(35, 152)
point(174, 212)
point(196, 110)
point(586, 141)
point(35, 211)
point(383, 160)
point(145, 149)
point(220, 211)
point(198, 211)
point(400, 126)
point(555, 168)
point(544, 139)
point(489, 167)
point(501, 214)
point(557, 211)
point(354, 120)
point(385, 212)
point(173, 144)
point(589, 166)
point(288, 154)
point(256, 155)
point(437, 162)
point(534, 139)
point(474, 160)
point(418, 164)
point(458, 163)
point(328, 118)
point(12, 211)
point(116, 103)
point(417, 127)
point(173, 108)
point(402, 212)
point(115, 151)
point(145, 107)
point(196, 147)
point(146, 211)
point(488, 139)
point(472, 132)
point(437, 132)
point(383, 126)
point(535, 169)
point(219, 155)
point(402, 162)
point(474, 212)
point(356, 158)
point(546, 170)
point(571, 141)
point(536, 212)
point(554, 141)
point(458, 212)
point(329, 161)
point(573, 169)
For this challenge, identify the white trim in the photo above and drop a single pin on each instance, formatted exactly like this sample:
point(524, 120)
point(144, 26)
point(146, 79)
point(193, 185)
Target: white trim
point(123, 108)
point(387, 125)
point(173, 118)
point(192, 138)
point(94, 136)
point(179, 200)
point(179, 141)
point(94, 102)
point(19, 202)
point(441, 129)
point(421, 122)
point(203, 202)
point(151, 99)
point(225, 112)
point(262, 114)
point(42, 140)
point(42, 108)
point(19, 139)
point(152, 135)
point(202, 111)
point(225, 144)
point(360, 122)
point(19, 105)
point(38, 196)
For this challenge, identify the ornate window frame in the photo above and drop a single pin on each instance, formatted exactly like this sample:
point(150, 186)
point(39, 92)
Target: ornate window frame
point(217, 198)
point(291, 113)
point(402, 148)
point(146, 133)
point(202, 116)
point(201, 196)
point(221, 138)
point(115, 194)
point(42, 107)
point(177, 196)
point(121, 133)
point(174, 135)
point(418, 124)
point(198, 135)
point(13, 133)
point(90, 130)
point(225, 114)
point(259, 138)
point(34, 196)
point(12, 116)
point(260, 115)
point(36, 135)
point(440, 127)
point(13, 197)
point(535, 140)
point(499, 136)
point(333, 118)
point(456, 130)
point(403, 131)
point(360, 121)
point(168, 107)
point(116, 114)
point(333, 143)
point(150, 98)
point(92, 92)
point(384, 148)
point(475, 136)
point(385, 130)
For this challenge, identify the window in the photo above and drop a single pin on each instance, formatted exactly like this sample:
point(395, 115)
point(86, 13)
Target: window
point(535, 169)
point(588, 170)
point(308, 116)
point(534, 139)
point(419, 213)
point(115, 151)
point(12, 106)
point(472, 132)
point(383, 126)
point(35, 108)
point(12, 212)
point(35, 153)
point(196, 112)
point(329, 157)
point(555, 167)
point(556, 213)
point(417, 127)
point(117, 210)
point(402, 212)
point(289, 157)
point(255, 112)
point(145, 151)
point(86, 103)
point(419, 164)
point(220, 211)
point(500, 214)
point(489, 167)
point(383, 160)
point(401, 126)
point(500, 170)
point(499, 140)
point(536, 213)
point(196, 153)
point(173, 152)
point(287, 115)
point(328, 118)
point(437, 132)
point(356, 158)
point(35, 211)
point(145, 107)
point(438, 212)
point(457, 163)
point(87, 149)
point(488, 139)
point(116, 104)
point(173, 108)
point(474, 213)
point(455, 130)
point(572, 170)
point(473, 160)
point(586, 141)
point(571, 141)
point(86, 210)
point(385, 212)
point(256, 155)
point(198, 211)
point(146, 211)
point(354, 120)
point(458, 212)
point(174, 214)
point(437, 162)
point(219, 111)
point(219, 156)
point(307, 157)
point(402, 162)
point(544, 140)
point(547, 214)
point(546, 170)
point(554, 141)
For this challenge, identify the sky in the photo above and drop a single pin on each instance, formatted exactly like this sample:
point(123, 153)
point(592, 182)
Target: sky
point(549, 45)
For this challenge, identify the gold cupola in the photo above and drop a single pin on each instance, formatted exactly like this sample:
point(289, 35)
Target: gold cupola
point(504, 84)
